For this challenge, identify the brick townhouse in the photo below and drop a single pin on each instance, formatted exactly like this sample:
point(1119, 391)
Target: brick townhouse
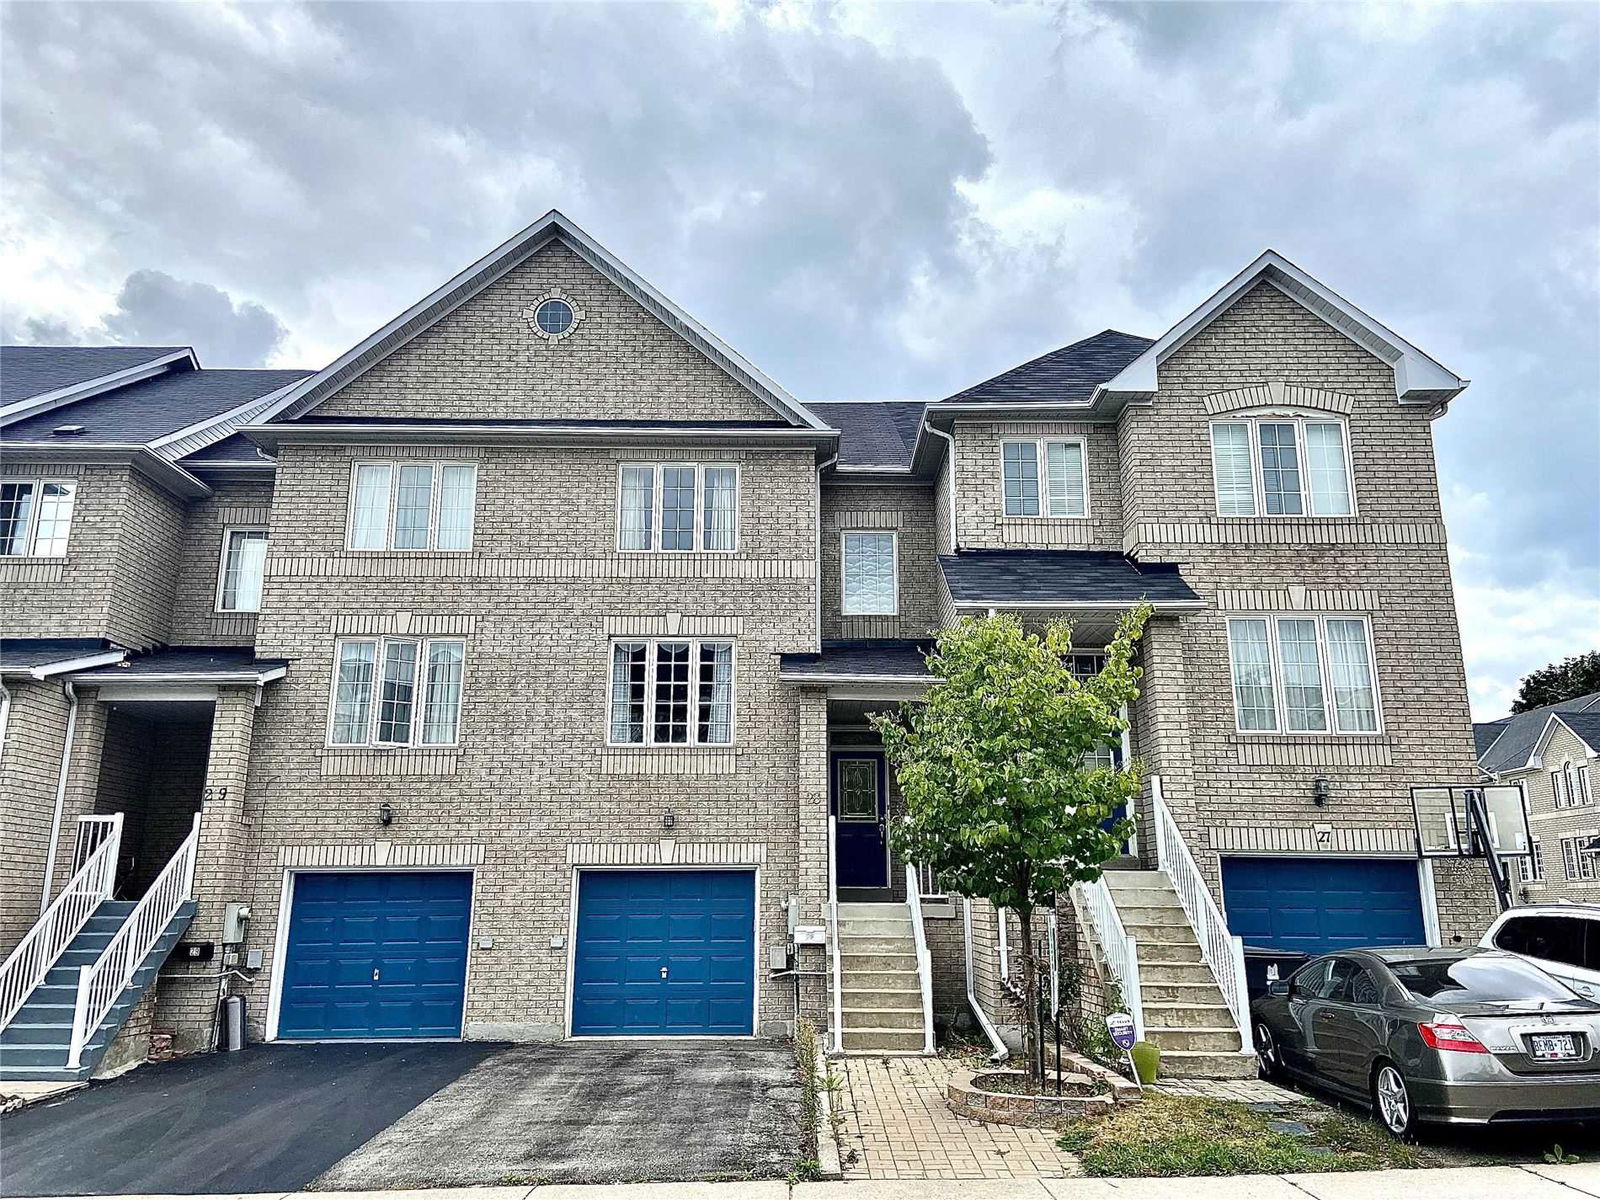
point(508, 677)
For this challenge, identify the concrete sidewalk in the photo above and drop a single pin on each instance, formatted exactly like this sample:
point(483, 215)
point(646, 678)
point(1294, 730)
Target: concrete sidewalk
point(1578, 1181)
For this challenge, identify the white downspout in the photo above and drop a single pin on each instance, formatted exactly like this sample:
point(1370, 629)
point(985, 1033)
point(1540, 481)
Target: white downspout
point(1004, 944)
point(954, 540)
point(61, 795)
point(1001, 1051)
point(5, 714)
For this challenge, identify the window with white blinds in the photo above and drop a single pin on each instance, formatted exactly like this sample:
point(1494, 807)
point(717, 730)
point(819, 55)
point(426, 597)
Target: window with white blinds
point(677, 506)
point(412, 506)
point(1302, 674)
point(1281, 467)
point(1059, 489)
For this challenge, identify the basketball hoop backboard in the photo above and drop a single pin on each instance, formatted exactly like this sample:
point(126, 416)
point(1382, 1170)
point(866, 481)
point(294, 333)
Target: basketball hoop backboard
point(1446, 818)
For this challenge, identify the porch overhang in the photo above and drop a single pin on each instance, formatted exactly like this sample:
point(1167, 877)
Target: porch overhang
point(1091, 581)
point(863, 669)
point(182, 673)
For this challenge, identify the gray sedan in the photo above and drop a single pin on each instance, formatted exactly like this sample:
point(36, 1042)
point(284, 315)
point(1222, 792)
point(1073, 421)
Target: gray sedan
point(1466, 1036)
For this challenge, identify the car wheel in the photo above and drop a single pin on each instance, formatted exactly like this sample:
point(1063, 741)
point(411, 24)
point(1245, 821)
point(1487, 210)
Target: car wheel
point(1391, 1101)
point(1269, 1063)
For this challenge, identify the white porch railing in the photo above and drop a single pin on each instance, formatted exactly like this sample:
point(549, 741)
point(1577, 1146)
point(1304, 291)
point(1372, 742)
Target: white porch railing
point(924, 959)
point(1223, 952)
point(1120, 949)
point(53, 932)
point(833, 938)
point(928, 882)
point(92, 831)
point(100, 984)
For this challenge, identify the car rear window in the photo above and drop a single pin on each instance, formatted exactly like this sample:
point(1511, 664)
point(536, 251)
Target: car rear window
point(1478, 980)
point(1571, 940)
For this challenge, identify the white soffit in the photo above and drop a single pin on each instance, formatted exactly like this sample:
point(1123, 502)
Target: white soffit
point(1417, 377)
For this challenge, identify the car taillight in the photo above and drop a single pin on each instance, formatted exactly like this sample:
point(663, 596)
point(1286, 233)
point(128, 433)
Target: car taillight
point(1443, 1036)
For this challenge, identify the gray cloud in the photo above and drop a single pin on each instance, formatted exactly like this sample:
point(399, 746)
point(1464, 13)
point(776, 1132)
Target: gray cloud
point(154, 309)
point(878, 200)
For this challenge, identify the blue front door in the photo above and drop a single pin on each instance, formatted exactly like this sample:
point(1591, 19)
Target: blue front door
point(1319, 905)
point(861, 819)
point(376, 954)
point(664, 952)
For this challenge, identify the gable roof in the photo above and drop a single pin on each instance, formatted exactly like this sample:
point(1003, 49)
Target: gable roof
point(1521, 733)
point(1065, 376)
point(36, 379)
point(553, 226)
point(1586, 725)
point(1418, 378)
point(873, 434)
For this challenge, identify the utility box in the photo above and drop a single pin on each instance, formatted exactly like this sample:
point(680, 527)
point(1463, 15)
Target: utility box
point(235, 922)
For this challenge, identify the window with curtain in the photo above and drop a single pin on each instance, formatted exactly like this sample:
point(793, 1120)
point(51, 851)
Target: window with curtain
point(244, 557)
point(867, 572)
point(397, 692)
point(674, 506)
point(1281, 468)
point(1315, 671)
point(1064, 490)
point(413, 506)
point(36, 516)
point(671, 692)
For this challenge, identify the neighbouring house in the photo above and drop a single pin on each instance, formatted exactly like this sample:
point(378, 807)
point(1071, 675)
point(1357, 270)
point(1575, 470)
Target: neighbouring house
point(1551, 752)
point(509, 677)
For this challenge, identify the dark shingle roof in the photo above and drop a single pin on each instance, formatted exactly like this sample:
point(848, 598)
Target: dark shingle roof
point(875, 658)
point(1520, 733)
point(1066, 376)
point(1060, 576)
point(192, 660)
point(21, 654)
point(33, 370)
point(1586, 725)
point(233, 449)
point(540, 422)
point(1486, 733)
point(153, 408)
point(873, 433)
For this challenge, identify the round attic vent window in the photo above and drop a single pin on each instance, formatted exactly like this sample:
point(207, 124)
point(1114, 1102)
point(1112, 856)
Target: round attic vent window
point(553, 317)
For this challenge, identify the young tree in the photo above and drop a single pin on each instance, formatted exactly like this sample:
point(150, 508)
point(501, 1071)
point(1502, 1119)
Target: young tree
point(1565, 680)
point(1000, 800)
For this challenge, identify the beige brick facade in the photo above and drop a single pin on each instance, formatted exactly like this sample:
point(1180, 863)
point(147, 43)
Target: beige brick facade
point(1553, 819)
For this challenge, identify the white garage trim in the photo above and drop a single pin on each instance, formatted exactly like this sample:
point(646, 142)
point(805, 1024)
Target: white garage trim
point(757, 965)
point(280, 940)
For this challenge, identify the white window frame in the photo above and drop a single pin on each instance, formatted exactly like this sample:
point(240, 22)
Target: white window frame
point(1585, 789)
point(1531, 868)
point(1576, 865)
point(437, 483)
point(419, 693)
point(894, 569)
point(1275, 662)
point(30, 535)
point(222, 567)
point(651, 662)
point(1258, 486)
point(1041, 452)
point(699, 469)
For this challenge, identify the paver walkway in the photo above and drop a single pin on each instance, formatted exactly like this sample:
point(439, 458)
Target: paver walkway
point(897, 1126)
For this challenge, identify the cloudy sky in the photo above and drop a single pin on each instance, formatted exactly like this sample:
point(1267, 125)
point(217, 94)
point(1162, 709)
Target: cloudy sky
point(870, 201)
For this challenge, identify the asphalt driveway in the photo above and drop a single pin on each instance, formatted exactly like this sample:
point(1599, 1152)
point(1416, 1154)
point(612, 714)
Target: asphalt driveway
point(281, 1118)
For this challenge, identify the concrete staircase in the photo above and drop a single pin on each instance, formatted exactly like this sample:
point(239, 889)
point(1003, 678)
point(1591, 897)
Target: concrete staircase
point(1184, 1012)
point(35, 1045)
point(882, 992)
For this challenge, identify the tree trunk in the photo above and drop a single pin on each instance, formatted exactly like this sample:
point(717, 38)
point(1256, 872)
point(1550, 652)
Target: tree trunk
point(1030, 997)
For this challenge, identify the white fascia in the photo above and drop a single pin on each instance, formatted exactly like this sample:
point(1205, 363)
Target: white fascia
point(215, 428)
point(83, 662)
point(1418, 378)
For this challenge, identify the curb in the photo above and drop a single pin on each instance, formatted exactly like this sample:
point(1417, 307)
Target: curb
point(828, 1164)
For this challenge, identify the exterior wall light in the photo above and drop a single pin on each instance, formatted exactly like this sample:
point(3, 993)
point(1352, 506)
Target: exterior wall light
point(668, 820)
point(385, 814)
point(1319, 791)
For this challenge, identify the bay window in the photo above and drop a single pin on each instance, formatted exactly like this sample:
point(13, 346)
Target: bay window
point(244, 557)
point(1281, 467)
point(412, 506)
point(677, 506)
point(36, 516)
point(867, 569)
point(1302, 674)
point(671, 692)
point(1044, 477)
point(397, 692)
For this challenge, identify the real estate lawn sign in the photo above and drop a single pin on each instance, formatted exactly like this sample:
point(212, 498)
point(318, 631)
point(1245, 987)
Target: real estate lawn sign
point(1002, 801)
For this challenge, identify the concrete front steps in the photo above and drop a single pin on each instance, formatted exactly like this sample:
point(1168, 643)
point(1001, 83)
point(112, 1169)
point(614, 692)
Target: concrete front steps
point(1184, 1012)
point(35, 1046)
point(880, 989)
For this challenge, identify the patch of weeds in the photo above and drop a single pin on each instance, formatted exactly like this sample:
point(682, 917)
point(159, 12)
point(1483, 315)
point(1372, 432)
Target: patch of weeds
point(1184, 1135)
point(805, 1062)
point(1556, 1156)
point(807, 1170)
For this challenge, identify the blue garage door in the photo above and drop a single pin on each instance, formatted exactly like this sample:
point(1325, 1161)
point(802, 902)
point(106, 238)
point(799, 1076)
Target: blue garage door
point(376, 955)
point(664, 952)
point(1319, 905)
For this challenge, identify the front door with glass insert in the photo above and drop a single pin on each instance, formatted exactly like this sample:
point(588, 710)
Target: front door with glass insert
point(861, 847)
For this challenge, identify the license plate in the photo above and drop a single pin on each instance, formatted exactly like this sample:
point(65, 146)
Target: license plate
point(1553, 1046)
